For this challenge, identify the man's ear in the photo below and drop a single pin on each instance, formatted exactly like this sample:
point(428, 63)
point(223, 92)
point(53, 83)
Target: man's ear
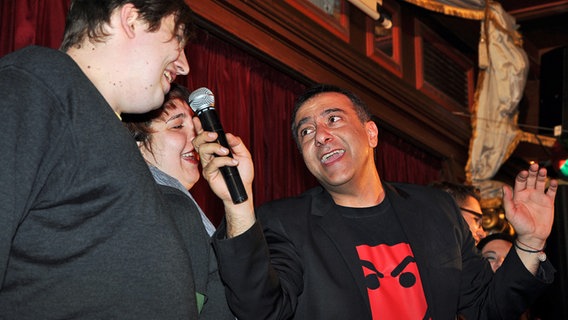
point(129, 19)
point(372, 133)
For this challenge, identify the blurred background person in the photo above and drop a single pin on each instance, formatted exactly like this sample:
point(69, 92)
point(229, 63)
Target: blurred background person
point(164, 138)
point(495, 248)
point(468, 199)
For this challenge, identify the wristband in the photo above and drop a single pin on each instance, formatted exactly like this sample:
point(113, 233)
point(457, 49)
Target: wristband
point(541, 255)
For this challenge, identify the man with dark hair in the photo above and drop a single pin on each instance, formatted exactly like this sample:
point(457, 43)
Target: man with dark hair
point(360, 248)
point(84, 230)
point(468, 199)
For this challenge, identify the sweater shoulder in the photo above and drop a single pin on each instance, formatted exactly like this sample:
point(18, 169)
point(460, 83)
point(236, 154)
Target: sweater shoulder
point(52, 68)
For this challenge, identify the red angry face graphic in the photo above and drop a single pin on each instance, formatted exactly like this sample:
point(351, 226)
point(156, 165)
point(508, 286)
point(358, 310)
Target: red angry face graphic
point(393, 283)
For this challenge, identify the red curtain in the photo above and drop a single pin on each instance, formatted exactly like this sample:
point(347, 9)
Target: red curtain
point(253, 98)
point(399, 160)
point(254, 101)
point(25, 22)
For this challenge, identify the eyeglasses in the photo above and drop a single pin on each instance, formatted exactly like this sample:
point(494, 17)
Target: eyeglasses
point(478, 217)
point(478, 214)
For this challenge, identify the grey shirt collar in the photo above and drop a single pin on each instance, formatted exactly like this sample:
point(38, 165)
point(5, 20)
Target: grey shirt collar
point(164, 179)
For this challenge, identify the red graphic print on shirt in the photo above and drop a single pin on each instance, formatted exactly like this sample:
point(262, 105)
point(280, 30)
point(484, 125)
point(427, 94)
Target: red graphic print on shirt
point(393, 283)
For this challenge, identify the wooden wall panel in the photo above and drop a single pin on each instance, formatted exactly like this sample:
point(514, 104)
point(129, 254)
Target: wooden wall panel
point(284, 37)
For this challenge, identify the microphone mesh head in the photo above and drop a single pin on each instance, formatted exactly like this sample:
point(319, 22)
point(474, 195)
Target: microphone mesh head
point(200, 99)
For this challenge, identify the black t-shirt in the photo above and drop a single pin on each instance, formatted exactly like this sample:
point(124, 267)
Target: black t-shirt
point(393, 282)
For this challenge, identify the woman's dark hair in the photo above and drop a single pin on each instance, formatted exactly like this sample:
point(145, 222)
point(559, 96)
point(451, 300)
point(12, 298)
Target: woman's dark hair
point(495, 236)
point(87, 18)
point(360, 107)
point(139, 125)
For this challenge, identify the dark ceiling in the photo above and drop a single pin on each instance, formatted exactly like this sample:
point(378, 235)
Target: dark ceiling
point(543, 23)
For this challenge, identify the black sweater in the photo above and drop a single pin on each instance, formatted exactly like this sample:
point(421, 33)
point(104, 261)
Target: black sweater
point(83, 227)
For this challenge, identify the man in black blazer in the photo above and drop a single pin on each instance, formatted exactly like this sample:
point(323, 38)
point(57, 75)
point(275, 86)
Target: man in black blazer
point(360, 248)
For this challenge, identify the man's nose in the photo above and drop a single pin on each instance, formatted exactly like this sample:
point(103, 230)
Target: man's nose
point(182, 66)
point(323, 136)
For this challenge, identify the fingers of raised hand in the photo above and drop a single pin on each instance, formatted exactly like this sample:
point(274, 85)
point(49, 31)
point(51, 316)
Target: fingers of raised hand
point(552, 188)
point(521, 180)
point(541, 179)
point(533, 175)
point(529, 178)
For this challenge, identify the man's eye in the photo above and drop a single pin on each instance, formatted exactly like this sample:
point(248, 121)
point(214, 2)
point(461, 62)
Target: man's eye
point(334, 118)
point(304, 132)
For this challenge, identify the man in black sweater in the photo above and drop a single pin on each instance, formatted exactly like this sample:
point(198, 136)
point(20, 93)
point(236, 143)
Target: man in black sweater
point(84, 230)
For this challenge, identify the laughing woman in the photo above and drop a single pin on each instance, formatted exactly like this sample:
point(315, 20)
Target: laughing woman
point(164, 138)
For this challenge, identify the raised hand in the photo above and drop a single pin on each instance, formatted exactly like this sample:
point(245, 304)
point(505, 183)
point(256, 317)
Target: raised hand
point(530, 210)
point(239, 217)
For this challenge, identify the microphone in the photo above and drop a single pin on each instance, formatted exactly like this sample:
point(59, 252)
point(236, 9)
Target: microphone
point(202, 102)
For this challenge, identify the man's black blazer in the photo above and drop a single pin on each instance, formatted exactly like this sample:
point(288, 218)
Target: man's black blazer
point(298, 262)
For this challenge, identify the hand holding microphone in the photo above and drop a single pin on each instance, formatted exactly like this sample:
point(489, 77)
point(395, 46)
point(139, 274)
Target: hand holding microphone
point(202, 102)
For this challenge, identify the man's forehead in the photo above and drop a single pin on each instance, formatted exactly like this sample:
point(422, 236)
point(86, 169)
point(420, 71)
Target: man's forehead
point(328, 95)
point(325, 103)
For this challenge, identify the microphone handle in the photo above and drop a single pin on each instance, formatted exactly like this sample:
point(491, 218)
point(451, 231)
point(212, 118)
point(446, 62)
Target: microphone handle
point(210, 122)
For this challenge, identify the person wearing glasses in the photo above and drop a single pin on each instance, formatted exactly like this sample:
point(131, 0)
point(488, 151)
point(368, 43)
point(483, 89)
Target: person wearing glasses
point(467, 198)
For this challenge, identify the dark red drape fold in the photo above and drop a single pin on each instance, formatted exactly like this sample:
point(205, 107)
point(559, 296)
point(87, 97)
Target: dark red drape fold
point(25, 22)
point(398, 160)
